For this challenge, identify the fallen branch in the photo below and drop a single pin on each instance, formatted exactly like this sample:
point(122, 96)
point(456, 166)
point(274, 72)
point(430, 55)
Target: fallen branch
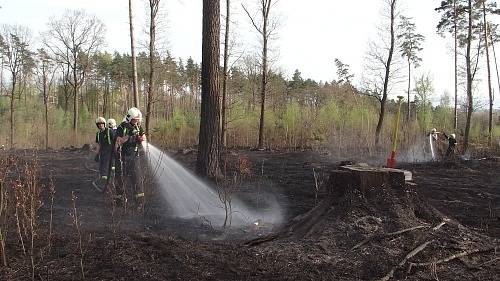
point(258, 241)
point(413, 253)
point(488, 262)
point(454, 256)
point(405, 259)
point(387, 235)
point(445, 220)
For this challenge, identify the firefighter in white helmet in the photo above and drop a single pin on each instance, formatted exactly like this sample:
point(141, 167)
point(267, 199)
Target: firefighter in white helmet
point(452, 144)
point(104, 139)
point(434, 144)
point(111, 123)
point(434, 133)
point(129, 138)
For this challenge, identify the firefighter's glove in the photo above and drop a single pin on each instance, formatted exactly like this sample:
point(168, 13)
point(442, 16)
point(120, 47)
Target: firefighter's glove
point(141, 138)
point(96, 158)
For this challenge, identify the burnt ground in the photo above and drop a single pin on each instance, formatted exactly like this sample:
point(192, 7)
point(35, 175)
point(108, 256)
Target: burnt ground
point(119, 245)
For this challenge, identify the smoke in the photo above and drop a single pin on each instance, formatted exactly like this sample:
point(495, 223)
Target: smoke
point(419, 151)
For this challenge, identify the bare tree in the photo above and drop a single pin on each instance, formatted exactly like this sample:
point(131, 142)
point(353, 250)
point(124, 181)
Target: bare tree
point(381, 68)
point(154, 6)
point(492, 42)
point(225, 74)
point(207, 164)
point(266, 28)
point(45, 77)
point(490, 92)
point(73, 39)
point(134, 60)
point(470, 107)
point(14, 42)
point(392, 4)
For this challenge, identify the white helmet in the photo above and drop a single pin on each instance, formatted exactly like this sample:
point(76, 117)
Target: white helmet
point(111, 123)
point(133, 113)
point(433, 131)
point(453, 136)
point(100, 120)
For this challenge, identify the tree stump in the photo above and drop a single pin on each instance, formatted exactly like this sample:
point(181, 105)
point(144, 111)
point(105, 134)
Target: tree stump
point(371, 191)
point(369, 181)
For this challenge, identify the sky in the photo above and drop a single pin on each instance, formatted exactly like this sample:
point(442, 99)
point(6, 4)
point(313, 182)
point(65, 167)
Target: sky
point(310, 36)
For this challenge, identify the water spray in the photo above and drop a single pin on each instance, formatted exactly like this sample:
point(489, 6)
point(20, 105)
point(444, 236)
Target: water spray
point(188, 197)
point(431, 144)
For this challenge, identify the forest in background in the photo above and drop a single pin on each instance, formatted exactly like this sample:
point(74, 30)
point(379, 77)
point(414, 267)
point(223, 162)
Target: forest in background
point(43, 85)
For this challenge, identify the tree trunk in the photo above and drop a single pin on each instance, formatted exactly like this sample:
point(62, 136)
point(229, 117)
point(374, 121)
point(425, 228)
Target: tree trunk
point(207, 164)
point(469, 80)
point(12, 97)
point(134, 61)
point(75, 101)
point(455, 109)
point(490, 92)
point(153, 5)
point(67, 94)
point(106, 98)
point(386, 78)
point(225, 74)
point(45, 103)
point(46, 125)
point(495, 59)
point(75, 110)
point(409, 85)
point(380, 119)
point(265, 37)
point(1, 76)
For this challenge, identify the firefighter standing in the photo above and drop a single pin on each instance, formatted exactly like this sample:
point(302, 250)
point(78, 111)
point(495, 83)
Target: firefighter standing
point(436, 151)
point(452, 144)
point(130, 136)
point(111, 124)
point(104, 140)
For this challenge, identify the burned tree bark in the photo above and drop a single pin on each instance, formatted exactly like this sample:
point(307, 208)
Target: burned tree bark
point(207, 164)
